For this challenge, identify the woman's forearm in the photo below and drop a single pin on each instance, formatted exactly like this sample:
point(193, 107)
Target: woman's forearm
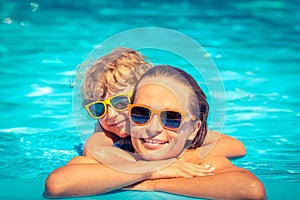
point(228, 182)
point(88, 179)
point(239, 184)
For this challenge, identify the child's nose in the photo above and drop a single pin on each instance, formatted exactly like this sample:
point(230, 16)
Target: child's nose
point(111, 113)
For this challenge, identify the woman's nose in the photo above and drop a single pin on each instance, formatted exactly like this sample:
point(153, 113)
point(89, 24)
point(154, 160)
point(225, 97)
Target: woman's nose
point(154, 127)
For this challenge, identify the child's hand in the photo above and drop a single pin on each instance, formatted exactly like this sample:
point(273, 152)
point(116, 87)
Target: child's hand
point(182, 169)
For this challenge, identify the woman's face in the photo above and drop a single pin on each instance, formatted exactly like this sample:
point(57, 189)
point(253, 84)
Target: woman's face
point(152, 141)
point(114, 121)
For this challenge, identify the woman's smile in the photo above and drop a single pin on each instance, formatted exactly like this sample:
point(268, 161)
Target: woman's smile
point(153, 144)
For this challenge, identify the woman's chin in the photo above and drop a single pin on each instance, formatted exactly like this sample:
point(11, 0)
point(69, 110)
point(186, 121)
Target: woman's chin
point(153, 152)
point(155, 156)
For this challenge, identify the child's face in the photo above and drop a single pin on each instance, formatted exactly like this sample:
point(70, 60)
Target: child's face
point(116, 121)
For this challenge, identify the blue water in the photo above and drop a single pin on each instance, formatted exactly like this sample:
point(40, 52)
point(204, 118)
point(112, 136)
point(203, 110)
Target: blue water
point(255, 45)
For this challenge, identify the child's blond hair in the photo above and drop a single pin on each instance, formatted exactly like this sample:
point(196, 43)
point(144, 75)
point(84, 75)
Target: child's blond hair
point(112, 73)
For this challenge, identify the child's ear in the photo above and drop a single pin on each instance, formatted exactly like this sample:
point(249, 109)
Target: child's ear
point(196, 128)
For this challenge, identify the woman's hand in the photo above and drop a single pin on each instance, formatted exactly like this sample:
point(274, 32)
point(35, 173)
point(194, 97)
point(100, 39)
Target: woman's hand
point(182, 169)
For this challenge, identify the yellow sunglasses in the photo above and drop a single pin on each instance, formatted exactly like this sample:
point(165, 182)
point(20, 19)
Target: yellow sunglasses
point(98, 109)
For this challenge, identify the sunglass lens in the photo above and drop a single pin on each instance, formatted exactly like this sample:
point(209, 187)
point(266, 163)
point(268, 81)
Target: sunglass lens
point(140, 115)
point(120, 102)
point(97, 109)
point(171, 119)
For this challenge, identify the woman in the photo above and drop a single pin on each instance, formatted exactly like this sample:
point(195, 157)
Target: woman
point(155, 135)
point(167, 145)
point(182, 120)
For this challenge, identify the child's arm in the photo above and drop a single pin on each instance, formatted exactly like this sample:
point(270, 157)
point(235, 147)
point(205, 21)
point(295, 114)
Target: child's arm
point(124, 160)
point(84, 176)
point(98, 139)
point(100, 148)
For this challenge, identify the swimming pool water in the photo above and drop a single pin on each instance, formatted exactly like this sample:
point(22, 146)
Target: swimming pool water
point(255, 45)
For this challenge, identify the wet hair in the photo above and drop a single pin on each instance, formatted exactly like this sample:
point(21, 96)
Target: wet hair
point(198, 105)
point(112, 73)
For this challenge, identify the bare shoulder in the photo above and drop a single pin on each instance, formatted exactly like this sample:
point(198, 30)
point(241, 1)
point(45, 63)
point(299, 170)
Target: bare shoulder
point(213, 132)
point(211, 137)
point(81, 160)
point(96, 141)
point(216, 135)
point(220, 160)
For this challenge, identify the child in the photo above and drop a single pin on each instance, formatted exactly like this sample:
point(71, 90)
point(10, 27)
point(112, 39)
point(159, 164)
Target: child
point(122, 68)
